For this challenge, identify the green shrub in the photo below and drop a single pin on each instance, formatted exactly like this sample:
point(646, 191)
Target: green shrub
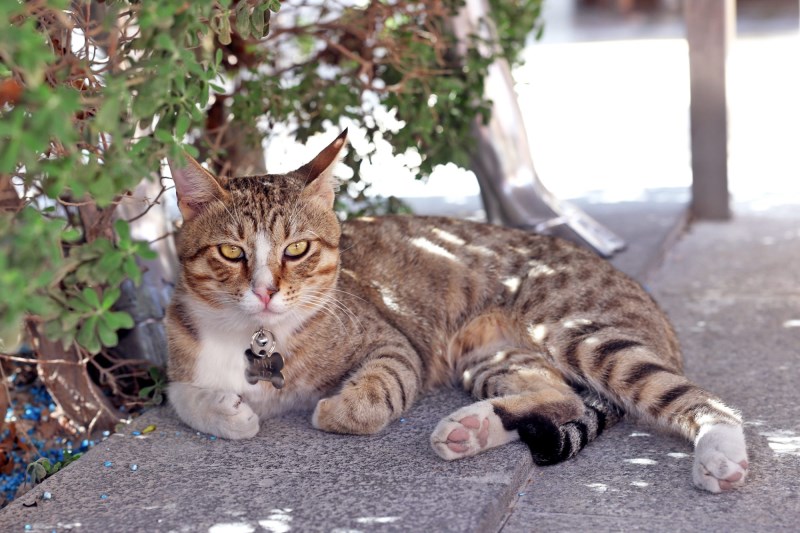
point(94, 95)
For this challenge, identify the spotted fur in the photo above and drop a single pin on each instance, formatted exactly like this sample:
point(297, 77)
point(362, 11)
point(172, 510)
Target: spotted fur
point(553, 342)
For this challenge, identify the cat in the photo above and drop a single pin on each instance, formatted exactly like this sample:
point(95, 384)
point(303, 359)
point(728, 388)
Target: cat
point(551, 340)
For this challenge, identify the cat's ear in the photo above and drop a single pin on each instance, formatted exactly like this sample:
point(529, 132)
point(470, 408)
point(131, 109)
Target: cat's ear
point(195, 186)
point(318, 173)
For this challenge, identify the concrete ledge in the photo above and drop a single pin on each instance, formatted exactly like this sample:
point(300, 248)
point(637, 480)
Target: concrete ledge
point(290, 474)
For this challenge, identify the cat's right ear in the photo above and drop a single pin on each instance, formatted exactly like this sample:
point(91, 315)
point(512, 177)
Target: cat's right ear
point(195, 186)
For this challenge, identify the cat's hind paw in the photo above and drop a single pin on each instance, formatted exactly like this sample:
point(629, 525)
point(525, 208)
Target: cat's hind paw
point(720, 459)
point(469, 431)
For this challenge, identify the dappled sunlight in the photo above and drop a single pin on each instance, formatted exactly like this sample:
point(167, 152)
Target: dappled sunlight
point(598, 487)
point(641, 461)
point(500, 356)
point(539, 269)
point(389, 299)
point(371, 520)
point(480, 250)
point(512, 284)
point(576, 322)
point(537, 332)
point(783, 442)
point(278, 521)
point(350, 274)
point(240, 527)
point(432, 247)
point(678, 455)
point(448, 237)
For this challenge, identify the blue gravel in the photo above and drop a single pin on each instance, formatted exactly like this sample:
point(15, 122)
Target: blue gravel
point(9, 483)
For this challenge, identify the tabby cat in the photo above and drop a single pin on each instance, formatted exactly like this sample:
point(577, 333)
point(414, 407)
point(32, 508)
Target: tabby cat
point(552, 342)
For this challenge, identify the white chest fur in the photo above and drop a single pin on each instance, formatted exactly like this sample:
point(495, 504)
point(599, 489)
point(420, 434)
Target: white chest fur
point(221, 365)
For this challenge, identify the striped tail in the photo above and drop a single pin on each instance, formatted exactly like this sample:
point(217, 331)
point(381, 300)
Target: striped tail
point(550, 444)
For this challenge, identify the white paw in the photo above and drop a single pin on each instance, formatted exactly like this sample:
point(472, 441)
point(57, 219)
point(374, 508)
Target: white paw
point(468, 431)
point(219, 413)
point(234, 418)
point(720, 458)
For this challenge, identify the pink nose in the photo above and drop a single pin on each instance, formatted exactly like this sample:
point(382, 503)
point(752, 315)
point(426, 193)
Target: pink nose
point(265, 293)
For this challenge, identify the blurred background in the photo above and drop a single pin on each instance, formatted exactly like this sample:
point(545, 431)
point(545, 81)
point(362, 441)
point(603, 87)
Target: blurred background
point(605, 100)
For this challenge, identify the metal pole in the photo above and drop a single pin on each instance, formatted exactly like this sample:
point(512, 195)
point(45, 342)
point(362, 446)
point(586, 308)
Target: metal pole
point(710, 27)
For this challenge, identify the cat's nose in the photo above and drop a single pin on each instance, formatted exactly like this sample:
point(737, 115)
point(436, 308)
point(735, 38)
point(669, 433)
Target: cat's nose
point(265, 293)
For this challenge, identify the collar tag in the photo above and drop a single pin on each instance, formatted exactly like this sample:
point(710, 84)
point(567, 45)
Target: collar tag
point(264, 363)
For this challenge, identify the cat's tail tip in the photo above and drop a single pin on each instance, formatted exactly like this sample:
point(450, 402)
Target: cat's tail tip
point(565, 441)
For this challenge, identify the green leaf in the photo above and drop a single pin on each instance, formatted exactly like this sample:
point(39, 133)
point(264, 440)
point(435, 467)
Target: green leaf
point(69, 322)
point(71, 458)
point(132, 270)
point(145, 392)
point(87, 336)
point(71, 235)
point(109, 263)
point(119, 320)
point(110, 296)
point(224, 34)
point(144, 251)
point(90, 297)
point(36, 472)
point(163, 136)
point(108, 337)
point(181, 126)
point(242, 20)
point(156, 374)
point(260, 20)
point(123, 231)
point(78, 305)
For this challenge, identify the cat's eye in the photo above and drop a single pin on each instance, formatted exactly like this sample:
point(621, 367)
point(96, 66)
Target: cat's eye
point(296, 249)
point(231, 251)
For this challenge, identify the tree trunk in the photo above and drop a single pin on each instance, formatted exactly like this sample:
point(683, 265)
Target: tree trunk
point(65, 375)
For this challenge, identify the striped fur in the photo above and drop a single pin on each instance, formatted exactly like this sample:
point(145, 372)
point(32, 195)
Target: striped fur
point(554, 344)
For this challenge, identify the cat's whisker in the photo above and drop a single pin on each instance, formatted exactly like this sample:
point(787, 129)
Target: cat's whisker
point(321, 306)
point(333, 289)
point(337, 306)
point(334, 301)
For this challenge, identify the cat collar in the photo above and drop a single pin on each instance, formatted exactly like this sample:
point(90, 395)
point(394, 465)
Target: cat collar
point(264, 363)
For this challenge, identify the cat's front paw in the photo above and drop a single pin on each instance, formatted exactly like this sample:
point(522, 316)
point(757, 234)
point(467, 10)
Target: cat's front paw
point(720, 459)
point(224, 414)
point(234, 418)
point(352, 415)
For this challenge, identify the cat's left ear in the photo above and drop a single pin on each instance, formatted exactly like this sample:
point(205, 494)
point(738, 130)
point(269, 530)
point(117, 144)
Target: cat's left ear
point(318, 173)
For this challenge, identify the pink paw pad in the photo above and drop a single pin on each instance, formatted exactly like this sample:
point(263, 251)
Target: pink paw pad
point(458, 438)
point(729, 482)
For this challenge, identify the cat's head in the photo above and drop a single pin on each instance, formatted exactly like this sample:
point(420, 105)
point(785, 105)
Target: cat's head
point(259, 250)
